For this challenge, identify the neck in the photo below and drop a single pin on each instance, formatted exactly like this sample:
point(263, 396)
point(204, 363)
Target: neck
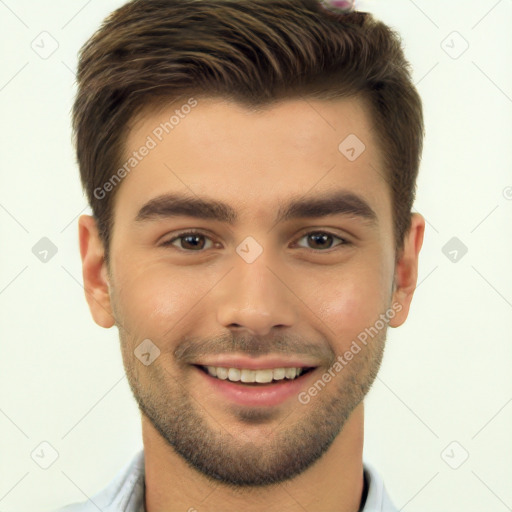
point(334, 483)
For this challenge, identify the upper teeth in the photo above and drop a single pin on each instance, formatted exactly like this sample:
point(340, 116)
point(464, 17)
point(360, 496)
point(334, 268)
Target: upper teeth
point(245, 375)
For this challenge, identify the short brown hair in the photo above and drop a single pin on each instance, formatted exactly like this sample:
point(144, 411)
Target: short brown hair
point(256, 52)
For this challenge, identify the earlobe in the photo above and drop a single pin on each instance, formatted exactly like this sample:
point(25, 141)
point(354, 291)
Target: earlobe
point(406, 271)
point(94, 272)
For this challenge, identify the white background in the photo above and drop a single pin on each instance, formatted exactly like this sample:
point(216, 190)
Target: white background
point(446, 373)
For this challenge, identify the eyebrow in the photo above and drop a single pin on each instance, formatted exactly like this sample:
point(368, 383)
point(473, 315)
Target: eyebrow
point(335, 203)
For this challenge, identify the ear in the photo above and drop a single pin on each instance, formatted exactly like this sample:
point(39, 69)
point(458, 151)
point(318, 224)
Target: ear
point(406, 271)
point(94, 272)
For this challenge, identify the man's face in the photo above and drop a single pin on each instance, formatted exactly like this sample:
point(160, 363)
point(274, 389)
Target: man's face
point(252, 282)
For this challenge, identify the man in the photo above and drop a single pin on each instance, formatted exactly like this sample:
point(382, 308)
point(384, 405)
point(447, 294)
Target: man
point(251, 167)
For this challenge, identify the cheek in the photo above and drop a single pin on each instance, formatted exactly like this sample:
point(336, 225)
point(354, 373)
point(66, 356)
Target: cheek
point(349, 304)
point(153, 303)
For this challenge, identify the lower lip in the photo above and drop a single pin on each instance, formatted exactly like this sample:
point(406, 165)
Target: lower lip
point(260, 394)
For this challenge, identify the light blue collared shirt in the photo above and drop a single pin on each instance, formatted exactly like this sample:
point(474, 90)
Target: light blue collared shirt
point(125, 493)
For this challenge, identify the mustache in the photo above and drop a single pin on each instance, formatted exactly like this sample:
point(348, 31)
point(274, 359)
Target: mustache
point(193, 348)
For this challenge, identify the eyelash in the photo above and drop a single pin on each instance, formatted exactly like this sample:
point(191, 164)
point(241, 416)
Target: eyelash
point(169, 243)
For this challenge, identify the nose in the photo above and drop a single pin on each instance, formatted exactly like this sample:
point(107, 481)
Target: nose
point(256, 297)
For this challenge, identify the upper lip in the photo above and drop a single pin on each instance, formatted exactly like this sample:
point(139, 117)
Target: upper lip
point(258, 363)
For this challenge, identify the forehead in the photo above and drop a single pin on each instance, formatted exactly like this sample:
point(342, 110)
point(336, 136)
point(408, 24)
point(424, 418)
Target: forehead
point(252, 159)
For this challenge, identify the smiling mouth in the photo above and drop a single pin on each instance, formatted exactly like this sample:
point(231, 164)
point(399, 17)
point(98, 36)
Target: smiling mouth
point(255, 378)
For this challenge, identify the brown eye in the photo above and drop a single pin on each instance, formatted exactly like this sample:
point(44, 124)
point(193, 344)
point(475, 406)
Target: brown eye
point(321, 240)
point(190, 241)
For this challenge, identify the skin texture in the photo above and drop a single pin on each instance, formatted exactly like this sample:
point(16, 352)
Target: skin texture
point(298, 297)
